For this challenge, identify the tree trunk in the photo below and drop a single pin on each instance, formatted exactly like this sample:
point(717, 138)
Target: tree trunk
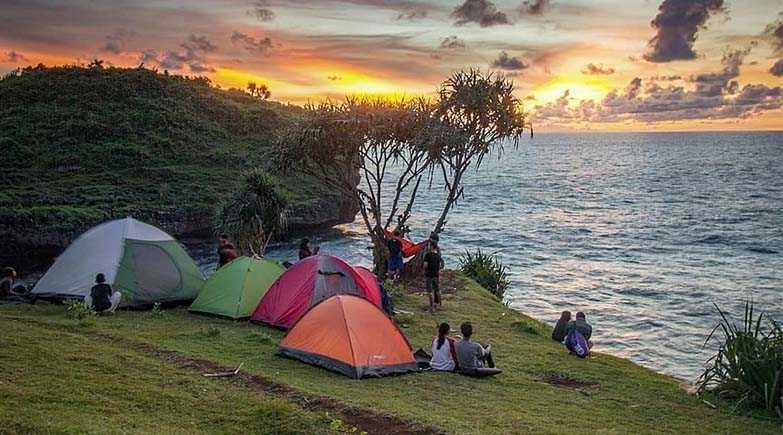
point(453, 194)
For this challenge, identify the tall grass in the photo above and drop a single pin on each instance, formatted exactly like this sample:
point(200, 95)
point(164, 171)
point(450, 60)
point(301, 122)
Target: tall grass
point(748, 368)
point(485, 269)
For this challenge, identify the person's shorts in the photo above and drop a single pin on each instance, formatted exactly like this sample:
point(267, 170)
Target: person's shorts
point(395, 263)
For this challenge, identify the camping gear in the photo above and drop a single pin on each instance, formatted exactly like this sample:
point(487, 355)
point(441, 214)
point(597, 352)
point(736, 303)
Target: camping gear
point(577, 343)
point(349, 335)
point(235, 289)
point(308, 282)
point(141, 261)
point(409, 249)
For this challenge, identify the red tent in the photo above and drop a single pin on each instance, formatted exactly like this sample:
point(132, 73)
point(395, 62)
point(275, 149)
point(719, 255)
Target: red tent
point(307, 283)
point(349, 335)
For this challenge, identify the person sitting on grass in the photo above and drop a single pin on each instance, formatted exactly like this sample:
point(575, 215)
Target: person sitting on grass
point(444, 355)
point(578, 335)
point(102, 298)
point(395, 263)
point(474, 359)
point(7, 282)
point(559, 333)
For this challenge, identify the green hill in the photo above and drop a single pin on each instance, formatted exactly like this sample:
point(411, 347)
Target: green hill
point(82, 145)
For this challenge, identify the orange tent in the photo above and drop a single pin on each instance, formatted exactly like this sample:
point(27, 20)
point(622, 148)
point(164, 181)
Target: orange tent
point(349, 335)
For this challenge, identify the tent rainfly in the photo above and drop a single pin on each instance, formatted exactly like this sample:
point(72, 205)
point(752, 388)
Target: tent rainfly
point(309, 282)
point(349, 335)
point(141, 261)
point(235, 289)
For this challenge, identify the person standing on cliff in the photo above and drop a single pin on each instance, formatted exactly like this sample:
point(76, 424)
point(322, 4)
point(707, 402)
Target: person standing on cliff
point(433, 263)
point(395, 262)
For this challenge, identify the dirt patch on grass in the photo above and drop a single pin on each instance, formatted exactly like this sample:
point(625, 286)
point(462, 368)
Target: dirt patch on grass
point(364, 419)
point(449, 281)
point(565, 381)
point(371, 421)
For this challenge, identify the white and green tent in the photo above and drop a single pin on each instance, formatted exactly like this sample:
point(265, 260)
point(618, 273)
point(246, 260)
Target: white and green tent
point(141, 261)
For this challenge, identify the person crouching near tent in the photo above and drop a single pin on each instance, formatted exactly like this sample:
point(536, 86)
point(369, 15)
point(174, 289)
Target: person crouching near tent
point(10, 291)
point(433, 263)
point(395, 262)
point(102, 298)
point(474, 359)
point(444, 354)
point(226, 251)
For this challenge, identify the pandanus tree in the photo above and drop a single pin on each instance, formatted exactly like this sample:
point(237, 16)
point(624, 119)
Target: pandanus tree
point(478, 114)
point(253, 214)
point(360, 147)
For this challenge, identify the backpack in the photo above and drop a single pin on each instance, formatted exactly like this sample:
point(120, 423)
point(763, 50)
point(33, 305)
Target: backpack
point(576, 343)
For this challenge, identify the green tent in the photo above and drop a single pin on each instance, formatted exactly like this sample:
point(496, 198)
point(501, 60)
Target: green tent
point(235, 289)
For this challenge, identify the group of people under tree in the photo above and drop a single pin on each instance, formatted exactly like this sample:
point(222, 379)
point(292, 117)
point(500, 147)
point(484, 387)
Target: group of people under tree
point(432, 262)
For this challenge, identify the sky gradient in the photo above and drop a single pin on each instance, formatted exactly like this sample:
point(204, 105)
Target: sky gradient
point(578, 64)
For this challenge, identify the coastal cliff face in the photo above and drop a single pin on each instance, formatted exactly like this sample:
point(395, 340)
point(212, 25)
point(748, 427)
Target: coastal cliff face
point(81, 146)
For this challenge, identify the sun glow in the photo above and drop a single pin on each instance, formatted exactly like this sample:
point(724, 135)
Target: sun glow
point(579, 87)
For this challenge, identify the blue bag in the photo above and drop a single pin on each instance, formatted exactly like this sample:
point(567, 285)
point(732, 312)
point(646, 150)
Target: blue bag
point(577, 343)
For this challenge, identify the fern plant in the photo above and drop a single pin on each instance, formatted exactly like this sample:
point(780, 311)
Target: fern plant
point(485, 269)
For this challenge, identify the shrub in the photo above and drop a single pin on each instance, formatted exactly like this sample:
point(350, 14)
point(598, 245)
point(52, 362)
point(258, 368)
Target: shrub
point(485, 269)
point(77, 311)
point(748, 368)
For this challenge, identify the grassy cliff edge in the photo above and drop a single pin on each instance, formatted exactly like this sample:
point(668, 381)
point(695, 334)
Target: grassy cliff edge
point(542, 388)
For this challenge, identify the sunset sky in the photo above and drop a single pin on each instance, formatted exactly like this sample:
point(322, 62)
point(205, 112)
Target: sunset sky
point(577, 64)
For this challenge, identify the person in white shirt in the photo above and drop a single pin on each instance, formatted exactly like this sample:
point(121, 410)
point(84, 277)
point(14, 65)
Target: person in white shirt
point(443, 354)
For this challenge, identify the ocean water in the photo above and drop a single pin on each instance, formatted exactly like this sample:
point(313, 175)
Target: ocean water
point(642, 232)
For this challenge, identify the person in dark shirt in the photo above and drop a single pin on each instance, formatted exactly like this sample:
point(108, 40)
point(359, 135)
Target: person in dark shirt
point(7, 282)
point(102, 298)
point(580, 325)
point(305, 250)
point(433, 263)
point(395, 263)
point(226, 251)
point(559, 333)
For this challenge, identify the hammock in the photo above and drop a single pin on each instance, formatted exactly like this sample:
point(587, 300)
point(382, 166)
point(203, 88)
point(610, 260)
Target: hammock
point(409, 249)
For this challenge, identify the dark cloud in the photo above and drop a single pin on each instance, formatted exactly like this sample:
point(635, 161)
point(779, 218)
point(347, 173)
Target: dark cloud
point(775, 31)
point(715, 96)
point(334, 78)
point(666, 78)
point(260, 46)
point(677, 24)
point(412, 14)
point(596, 70)
point(452, 42)
point(14, 57)
point(191, 54)
point(715, 83)
point(504, 61)
point(777, 69)
point(261, 11)
point(482, 12)
point(115, 43)
point(534, 7)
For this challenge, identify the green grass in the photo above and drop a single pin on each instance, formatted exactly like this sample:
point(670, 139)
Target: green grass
point(618, 396)
point(82, 146)
point(61, 380)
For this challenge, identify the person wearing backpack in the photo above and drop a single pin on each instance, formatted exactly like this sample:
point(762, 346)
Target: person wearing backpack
point(444, 355)
point(578, 333)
